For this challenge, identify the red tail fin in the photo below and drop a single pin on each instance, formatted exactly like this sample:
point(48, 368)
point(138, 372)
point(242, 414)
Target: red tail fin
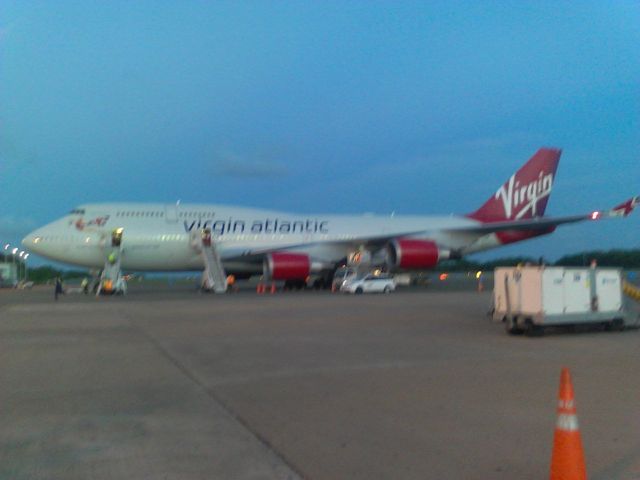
point(526, 193)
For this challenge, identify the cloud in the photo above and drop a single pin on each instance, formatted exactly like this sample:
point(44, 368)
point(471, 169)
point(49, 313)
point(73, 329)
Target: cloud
point(13, 154)
point(260, 166)
point(497, 141)
point(5, 30)
point(15, 227)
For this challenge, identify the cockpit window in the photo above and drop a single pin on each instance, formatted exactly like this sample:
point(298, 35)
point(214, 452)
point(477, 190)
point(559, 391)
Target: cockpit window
point(77, 211)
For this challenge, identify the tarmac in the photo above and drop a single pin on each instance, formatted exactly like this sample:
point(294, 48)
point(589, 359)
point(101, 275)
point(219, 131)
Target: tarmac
point(419, 384)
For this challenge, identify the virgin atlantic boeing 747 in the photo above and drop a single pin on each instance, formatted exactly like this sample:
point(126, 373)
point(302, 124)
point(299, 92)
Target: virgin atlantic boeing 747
point(286, 246)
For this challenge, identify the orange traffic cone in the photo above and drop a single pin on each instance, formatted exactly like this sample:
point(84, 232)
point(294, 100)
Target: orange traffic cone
point(273, 287)
point(260, 288)
point(567, 459)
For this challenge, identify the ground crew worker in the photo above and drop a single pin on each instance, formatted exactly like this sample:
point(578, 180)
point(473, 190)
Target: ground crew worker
point(58, 289)
point(85, 285)
point(231, 280)
point(206, 237)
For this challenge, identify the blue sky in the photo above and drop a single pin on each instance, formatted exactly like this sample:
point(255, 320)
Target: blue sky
point(346, 107)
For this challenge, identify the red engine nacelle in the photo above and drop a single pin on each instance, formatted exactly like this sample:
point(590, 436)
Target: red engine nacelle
point(287, 266)
point(415, 254)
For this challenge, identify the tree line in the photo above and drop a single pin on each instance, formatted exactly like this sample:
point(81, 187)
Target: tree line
point(627, 259)
point(47, 273)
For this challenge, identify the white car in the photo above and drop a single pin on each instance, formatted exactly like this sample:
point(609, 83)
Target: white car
point(369, 284)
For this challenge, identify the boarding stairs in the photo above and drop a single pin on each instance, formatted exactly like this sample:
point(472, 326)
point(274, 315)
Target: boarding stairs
point(213, 277)
point(111, 279)
point(632, 310)
point(631, 290)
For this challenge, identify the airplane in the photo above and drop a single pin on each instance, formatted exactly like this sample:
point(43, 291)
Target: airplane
point(290, 247)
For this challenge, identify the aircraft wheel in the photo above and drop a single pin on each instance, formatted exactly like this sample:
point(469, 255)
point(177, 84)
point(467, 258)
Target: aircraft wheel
point(532, 330)
point(511, 326)
point(615, 325)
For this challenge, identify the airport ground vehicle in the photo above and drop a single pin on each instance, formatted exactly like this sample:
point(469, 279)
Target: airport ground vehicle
point(370, 283)
point(341, 275)
point(527, 299)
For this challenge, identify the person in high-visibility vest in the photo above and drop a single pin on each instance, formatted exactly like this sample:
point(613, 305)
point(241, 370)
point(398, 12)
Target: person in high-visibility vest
point(85, 285)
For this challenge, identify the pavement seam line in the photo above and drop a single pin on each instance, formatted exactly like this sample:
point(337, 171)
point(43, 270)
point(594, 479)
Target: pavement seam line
point(211, 394)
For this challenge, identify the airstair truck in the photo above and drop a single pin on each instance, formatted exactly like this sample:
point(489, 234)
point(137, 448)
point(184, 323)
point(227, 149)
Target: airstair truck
point(527, 299)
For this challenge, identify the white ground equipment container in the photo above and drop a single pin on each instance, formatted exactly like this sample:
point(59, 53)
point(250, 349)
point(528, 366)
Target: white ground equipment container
point(527, 299)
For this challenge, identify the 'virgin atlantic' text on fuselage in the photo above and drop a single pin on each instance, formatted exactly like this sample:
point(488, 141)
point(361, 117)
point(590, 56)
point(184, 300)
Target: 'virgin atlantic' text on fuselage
point(268, 225)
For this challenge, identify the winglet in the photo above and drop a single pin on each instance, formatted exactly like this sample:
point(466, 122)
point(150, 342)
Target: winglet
point(622, 210)
point(625, 208)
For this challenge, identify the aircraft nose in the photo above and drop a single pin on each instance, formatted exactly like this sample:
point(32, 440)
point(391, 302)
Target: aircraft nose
point(32, 241)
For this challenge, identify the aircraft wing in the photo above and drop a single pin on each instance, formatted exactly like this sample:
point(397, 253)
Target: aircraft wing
point(257, 254)
point(537, 223)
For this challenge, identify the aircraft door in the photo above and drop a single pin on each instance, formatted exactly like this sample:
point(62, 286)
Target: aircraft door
point(116, 237)
point(171, 213)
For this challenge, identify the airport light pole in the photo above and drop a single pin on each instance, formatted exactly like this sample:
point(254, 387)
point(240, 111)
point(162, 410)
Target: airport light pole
point(21, 262)
point(26, 268)
point(13, 258)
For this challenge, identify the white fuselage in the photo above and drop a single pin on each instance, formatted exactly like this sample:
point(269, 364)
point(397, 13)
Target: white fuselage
point(159, 237)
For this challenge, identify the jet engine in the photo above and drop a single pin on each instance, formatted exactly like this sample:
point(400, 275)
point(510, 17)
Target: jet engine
point(287, 266)
point(411, 253)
